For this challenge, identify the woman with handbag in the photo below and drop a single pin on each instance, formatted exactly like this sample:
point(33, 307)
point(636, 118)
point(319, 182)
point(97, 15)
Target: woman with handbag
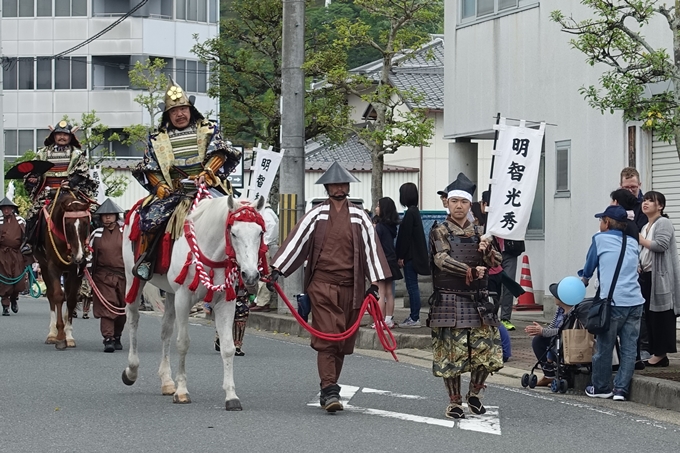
point(659, 276)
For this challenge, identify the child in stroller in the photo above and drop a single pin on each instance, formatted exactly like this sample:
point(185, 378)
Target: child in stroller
point(547, 346)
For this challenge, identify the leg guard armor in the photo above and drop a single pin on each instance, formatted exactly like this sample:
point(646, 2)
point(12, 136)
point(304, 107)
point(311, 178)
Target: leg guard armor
point(455, 408)
point(474, 399)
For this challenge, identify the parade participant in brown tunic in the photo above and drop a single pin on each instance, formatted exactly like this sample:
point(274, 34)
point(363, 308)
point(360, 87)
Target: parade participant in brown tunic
point(463, 319)
point(342, 252)
point(12, 262)
point(108, 274)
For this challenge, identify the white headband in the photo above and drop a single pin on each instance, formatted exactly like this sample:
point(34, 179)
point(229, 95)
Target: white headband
point(460, 194)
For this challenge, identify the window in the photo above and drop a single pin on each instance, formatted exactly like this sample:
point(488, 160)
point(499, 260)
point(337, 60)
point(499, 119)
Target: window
point(9, 68)
point(536, 226)
point(44, 8)
point(9, 8)
point(65, 8)
point(181, 9)
point(17, 142)
point(19, 73)
point(562, 152)
point(196, 10)
point(192, 76)
point(26, 8)
point(70, 73)
point(44, 73)
point(482, 9)
point(40, 136)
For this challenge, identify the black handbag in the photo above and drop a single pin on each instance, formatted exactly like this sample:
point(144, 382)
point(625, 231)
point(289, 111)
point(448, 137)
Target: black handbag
point(599, 315)
point(514, 248)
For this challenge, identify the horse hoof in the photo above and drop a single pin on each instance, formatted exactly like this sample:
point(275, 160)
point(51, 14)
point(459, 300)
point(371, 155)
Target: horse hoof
point(168, 389)
point(181, 399)
point(70, 343)
point(126, 379)
point(60, 345)
point(233, 405)
point(51, 340)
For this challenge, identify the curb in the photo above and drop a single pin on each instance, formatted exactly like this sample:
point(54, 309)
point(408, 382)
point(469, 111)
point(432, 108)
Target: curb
point(650, 391)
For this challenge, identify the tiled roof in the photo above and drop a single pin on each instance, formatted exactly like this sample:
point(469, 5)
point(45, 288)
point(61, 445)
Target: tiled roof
point(422, 70)
point(352, 154)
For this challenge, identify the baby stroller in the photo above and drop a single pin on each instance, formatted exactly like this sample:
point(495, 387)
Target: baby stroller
point(564, 373)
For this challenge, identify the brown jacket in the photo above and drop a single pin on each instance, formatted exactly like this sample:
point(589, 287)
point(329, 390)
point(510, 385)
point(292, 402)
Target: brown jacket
point(369, 260)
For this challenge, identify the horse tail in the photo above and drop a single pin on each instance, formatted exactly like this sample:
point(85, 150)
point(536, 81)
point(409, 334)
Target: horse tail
point(152, 295)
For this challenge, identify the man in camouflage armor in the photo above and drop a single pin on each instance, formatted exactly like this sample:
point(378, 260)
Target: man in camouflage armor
point(465, 336)
point(186, 149)
point(70, 171)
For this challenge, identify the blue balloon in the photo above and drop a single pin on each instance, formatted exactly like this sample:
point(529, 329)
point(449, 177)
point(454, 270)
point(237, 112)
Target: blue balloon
point(571, 290)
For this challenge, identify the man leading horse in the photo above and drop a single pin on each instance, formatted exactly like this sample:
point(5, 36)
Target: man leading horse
point(186, 149)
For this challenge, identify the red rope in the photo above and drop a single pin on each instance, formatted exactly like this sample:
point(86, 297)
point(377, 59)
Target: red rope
point(370, 303)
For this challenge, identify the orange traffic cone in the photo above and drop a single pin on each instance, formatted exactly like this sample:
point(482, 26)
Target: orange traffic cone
point(526, 301)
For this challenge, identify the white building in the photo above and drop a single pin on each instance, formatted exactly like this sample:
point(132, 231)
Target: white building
point(507, 56)
point(39, 89)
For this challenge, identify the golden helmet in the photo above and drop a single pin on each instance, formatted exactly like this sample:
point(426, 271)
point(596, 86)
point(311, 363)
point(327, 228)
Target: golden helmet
point(175, 97)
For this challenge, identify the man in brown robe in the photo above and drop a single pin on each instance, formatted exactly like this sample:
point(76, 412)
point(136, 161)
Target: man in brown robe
point(338, 241)
point(12, 262)
point(108, 274)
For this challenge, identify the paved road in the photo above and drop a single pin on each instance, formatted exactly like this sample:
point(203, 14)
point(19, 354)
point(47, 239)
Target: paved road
point(74, 401)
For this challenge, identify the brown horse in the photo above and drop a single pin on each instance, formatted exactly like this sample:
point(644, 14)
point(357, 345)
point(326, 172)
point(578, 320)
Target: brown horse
point(62, 250)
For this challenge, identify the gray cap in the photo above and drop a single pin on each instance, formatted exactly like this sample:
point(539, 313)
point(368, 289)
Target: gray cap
point(109, 207)
point(336, 174)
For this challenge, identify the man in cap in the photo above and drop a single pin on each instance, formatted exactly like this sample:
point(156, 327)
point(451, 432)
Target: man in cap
point(108, 274)
point(12, 263)
point(338, 241)
point(70, 171)
point(464, 325)
point(186, 149)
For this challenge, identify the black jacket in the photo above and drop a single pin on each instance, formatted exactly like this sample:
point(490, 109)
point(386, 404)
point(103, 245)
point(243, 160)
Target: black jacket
point(411, 241)
point(387, 233)
point(640, 217)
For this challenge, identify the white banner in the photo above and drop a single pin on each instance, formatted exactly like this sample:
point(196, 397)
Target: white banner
point(10, 191)
point(96, 174)
point(515, 175)
point(263, 172)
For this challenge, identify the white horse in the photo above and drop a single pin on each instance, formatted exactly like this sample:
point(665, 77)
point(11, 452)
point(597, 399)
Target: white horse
point(214, 220)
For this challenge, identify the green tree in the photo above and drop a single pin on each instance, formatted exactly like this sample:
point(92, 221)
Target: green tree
point(93, 139)
point(21, 197)
point(395, 125)
point(614, 36)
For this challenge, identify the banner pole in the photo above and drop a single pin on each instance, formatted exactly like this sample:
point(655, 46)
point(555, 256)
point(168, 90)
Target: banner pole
point(493, 155)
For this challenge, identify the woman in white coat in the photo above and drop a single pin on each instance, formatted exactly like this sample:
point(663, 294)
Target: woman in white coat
point(659, 279)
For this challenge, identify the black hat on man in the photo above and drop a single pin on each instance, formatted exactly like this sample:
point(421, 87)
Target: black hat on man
point(109, 207)
point(63, 126)
point(445, 192)
point(462, 187)
point(336, 174)
point(7, 202)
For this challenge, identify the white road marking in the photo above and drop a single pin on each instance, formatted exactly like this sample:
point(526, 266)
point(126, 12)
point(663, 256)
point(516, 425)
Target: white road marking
point(488, 423)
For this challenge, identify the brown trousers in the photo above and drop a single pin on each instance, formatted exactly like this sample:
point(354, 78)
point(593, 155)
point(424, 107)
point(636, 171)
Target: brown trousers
point(111, 328)
point(332, 312)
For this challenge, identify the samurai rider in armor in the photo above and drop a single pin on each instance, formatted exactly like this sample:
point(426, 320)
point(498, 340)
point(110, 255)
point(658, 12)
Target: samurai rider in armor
point(70, 171)
point(186, 149)
point(240, 321)
point(465, 335)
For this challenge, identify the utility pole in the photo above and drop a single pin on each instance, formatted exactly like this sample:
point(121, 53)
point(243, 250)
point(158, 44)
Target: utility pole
point(2, 113)
point(292, 170)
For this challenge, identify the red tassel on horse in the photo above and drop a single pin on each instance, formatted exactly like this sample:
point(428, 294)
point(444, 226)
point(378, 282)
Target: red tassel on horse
point(164, 253)
point(134, 289)
point(194, 283)
point(185, 270)
point(135, 232)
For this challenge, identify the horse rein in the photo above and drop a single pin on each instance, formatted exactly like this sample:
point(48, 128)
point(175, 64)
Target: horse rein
point(51, 227)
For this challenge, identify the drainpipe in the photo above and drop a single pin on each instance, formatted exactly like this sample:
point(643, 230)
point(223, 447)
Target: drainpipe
point(420, 179)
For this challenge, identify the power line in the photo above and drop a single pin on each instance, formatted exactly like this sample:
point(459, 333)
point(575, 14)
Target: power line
point(104, 31)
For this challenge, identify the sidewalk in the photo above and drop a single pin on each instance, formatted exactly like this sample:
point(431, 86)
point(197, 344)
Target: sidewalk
point(657, 387)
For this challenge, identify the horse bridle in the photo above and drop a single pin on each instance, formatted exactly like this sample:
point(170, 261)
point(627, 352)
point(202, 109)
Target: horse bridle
point(52, 228)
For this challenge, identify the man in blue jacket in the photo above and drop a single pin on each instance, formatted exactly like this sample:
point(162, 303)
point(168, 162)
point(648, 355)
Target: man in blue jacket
point(626, 310)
